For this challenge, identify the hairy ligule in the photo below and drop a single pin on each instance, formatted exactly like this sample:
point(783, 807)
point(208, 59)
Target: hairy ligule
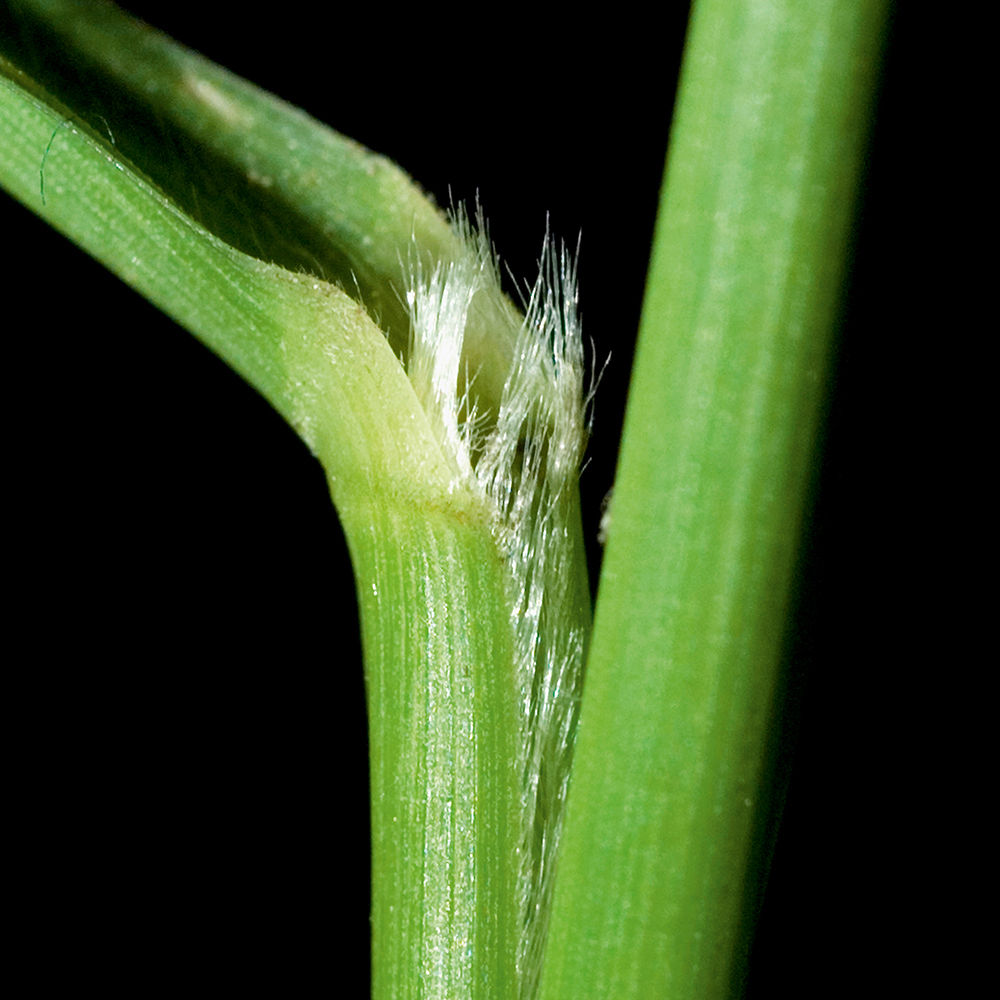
point(523, 460)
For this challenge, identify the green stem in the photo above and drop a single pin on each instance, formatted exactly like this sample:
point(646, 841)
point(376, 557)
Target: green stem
point(658, 870)
point(444, 778)
point(460, 650)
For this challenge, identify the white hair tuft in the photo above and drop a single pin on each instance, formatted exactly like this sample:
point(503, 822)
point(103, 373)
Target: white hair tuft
point(523, 460)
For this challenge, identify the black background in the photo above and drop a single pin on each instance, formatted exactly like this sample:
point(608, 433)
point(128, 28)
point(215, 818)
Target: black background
point(194, 757)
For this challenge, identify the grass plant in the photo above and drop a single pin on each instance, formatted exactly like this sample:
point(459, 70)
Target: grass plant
point(451, 427)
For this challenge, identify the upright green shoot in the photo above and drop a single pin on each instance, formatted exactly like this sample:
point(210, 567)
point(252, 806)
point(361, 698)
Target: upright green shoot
point(660, 868)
